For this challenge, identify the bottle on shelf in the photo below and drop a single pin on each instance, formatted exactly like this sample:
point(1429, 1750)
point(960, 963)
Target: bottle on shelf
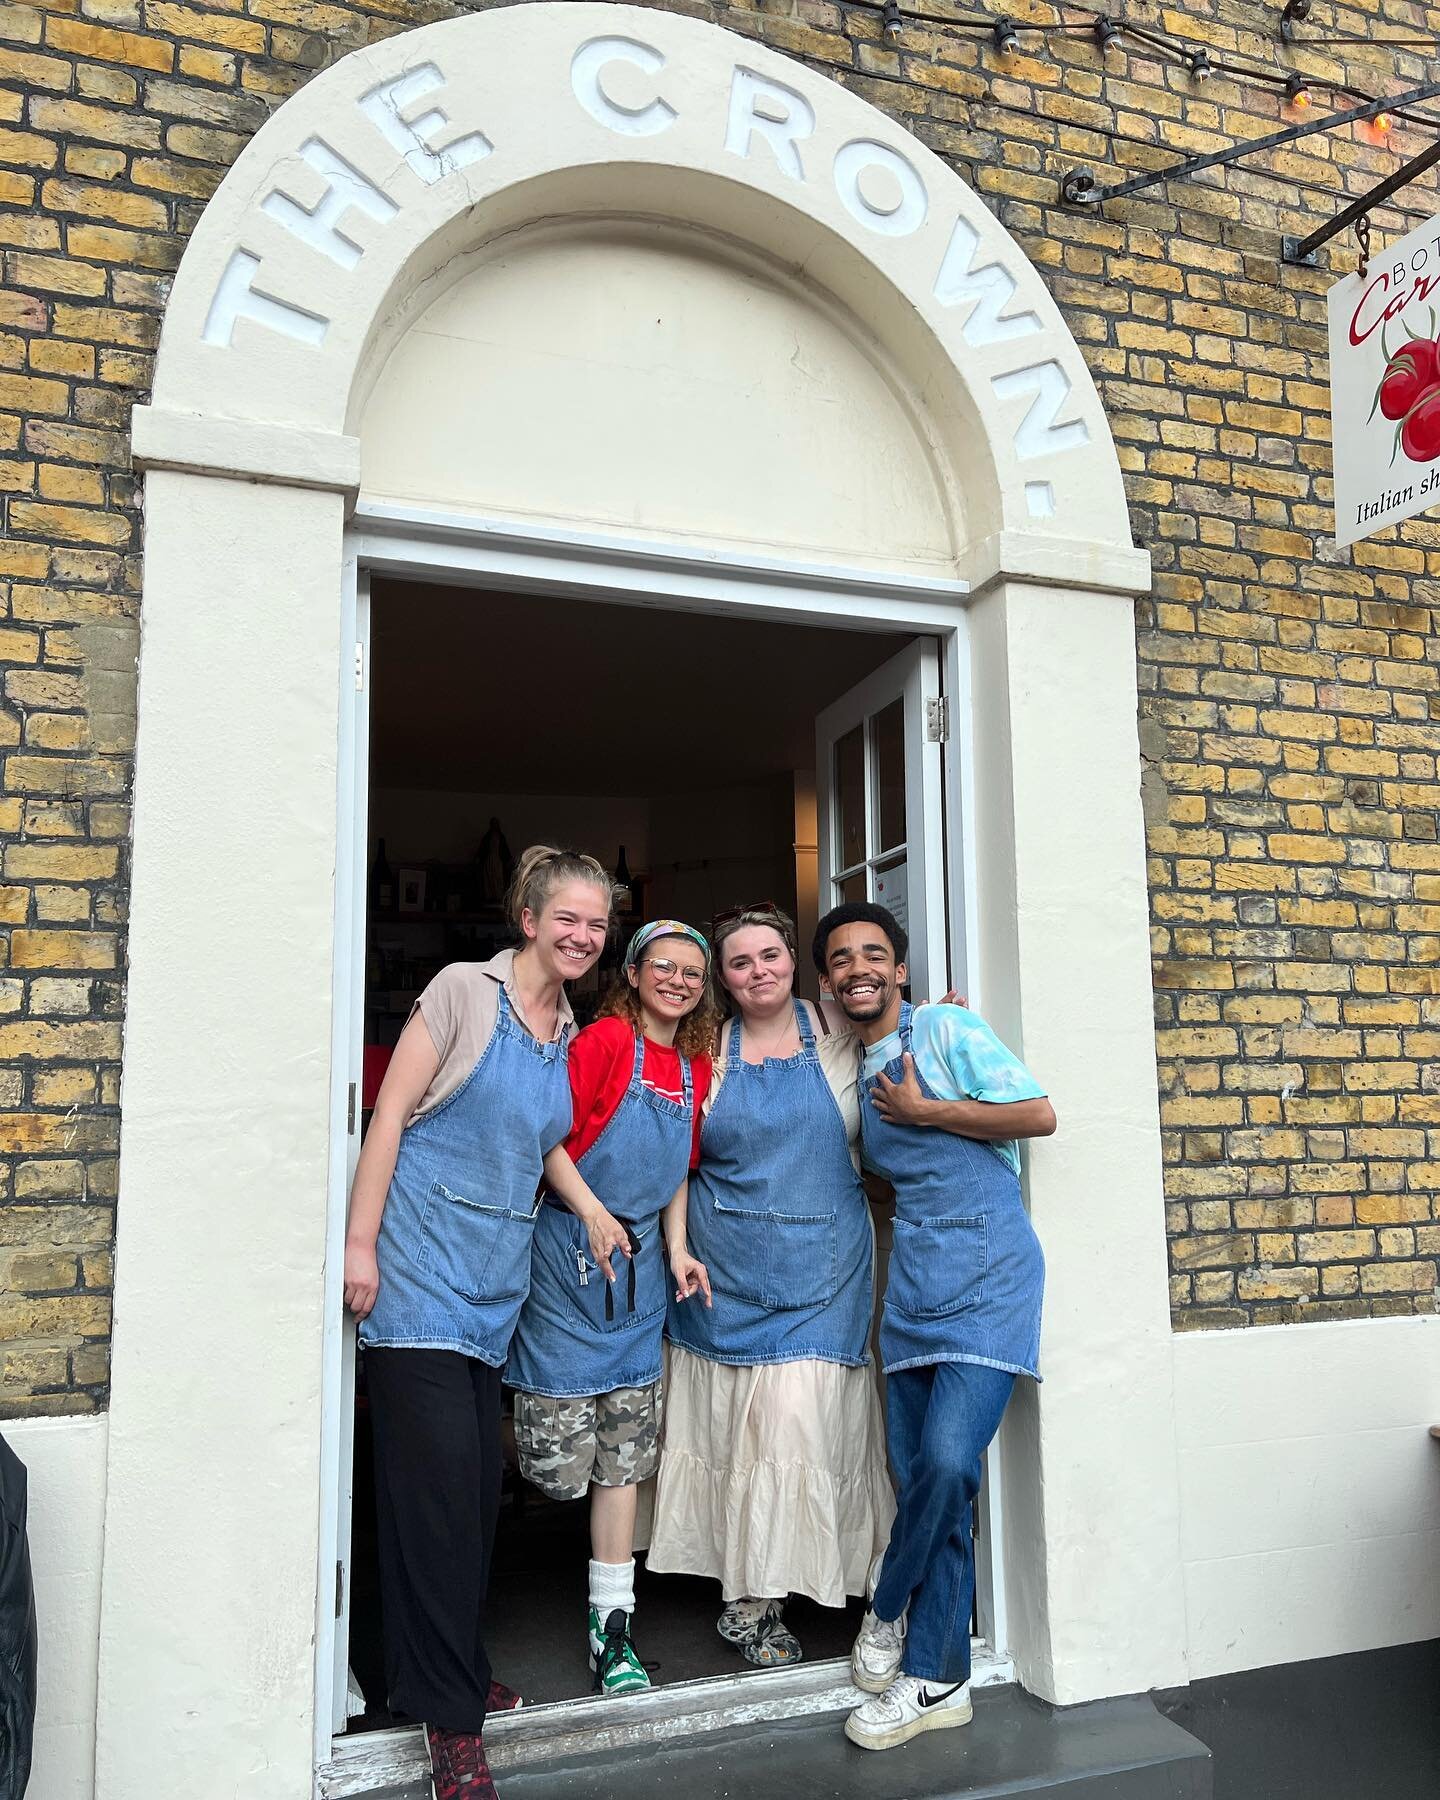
point(496, 864)
point(624, 891)
point(382, 882)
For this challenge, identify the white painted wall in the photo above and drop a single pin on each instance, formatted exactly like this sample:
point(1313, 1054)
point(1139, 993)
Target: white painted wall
point(65, 1462)
point(1091, 1525)
point(609, 377)
point(208, 1609)
point(1309, 1490)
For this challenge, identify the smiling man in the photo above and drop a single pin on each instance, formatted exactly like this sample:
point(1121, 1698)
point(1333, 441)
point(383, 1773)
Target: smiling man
point(942, 1103)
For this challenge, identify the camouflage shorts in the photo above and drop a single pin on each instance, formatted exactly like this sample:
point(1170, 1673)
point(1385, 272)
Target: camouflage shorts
point(611, 1439)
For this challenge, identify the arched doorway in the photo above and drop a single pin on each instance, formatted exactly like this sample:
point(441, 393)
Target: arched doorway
point(919, 448)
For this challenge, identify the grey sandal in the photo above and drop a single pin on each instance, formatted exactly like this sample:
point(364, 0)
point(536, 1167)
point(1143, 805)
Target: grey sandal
point(738, 1621)
point(772, 1643)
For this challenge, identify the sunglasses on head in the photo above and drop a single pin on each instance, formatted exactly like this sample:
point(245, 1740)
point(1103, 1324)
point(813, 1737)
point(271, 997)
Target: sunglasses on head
point(731, 913)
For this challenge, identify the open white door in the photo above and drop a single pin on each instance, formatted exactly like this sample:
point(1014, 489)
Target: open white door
point(880, 755)
point(347, 1051)
point(878, 766)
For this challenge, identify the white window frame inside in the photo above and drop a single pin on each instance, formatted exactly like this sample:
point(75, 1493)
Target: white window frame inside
point(385, 541)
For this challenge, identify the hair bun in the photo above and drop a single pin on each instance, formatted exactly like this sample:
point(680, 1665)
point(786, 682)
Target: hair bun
point(541, 869)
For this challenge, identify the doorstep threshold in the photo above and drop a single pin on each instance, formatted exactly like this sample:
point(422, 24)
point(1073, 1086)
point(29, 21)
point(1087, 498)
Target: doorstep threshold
point(394, 1764)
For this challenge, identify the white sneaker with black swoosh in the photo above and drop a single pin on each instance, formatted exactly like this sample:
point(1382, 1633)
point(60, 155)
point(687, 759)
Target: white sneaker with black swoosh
point(906, 1708)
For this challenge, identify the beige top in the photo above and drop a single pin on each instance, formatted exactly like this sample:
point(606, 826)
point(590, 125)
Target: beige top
point(839, 1054)
point(460, 1008)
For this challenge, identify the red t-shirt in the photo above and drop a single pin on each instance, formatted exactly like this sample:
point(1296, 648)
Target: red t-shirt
point(602, 1058)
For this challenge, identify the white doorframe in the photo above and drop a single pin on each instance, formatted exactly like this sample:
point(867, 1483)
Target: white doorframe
point(454, 549)
point(347, 1037)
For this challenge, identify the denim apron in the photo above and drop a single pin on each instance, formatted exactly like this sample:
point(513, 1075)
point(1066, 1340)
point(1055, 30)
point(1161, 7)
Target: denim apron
point(454, 1244)
point(966, 1274)
point(779, 1218)
point(578, 1333)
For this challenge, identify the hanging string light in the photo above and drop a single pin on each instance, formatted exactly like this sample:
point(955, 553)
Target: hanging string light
point(1110, 32)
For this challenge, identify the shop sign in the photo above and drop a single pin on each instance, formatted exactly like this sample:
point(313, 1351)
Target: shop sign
point(1385, 387)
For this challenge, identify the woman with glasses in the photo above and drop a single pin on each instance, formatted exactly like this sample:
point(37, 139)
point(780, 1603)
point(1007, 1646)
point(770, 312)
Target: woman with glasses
point(586, 1355)
point(773, 1476)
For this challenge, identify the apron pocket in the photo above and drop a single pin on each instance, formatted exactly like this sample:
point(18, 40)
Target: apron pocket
point(482, 1252)
point(588, 1289)
point(784, 1261)
point(937, 1267)
point(801, 1260)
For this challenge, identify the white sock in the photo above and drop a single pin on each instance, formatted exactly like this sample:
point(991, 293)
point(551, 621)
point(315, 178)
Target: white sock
point(612, 1585)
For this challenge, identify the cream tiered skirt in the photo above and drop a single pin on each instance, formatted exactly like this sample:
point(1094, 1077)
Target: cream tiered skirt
point(773, 1480)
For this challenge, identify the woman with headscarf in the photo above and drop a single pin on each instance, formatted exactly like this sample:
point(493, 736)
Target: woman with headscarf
point(586, 1356)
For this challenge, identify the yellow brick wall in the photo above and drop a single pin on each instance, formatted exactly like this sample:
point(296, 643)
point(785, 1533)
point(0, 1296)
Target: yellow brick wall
point(1290, 714)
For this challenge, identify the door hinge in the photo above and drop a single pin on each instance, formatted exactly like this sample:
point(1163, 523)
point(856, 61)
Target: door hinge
point(359, 667)
point(339, 1589)
point(937, 720)
point(350, 1112)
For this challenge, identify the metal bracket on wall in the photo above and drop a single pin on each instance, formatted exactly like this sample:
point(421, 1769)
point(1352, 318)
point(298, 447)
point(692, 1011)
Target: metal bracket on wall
point(1078, 187)
point(1302, 250)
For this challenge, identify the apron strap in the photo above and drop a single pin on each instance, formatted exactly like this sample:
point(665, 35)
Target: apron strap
point(629, 1279)
point(806, 1029)
point(907, 1034)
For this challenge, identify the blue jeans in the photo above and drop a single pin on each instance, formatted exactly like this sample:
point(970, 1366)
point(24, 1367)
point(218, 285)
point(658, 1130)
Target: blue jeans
point(940, 1418)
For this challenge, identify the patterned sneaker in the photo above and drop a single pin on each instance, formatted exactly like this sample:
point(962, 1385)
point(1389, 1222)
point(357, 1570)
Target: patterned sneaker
point(502, 1698)
point(875, 1658)
point(738, 1621)
point(613, 1656)
point(458, 1769)
point(906, 1708)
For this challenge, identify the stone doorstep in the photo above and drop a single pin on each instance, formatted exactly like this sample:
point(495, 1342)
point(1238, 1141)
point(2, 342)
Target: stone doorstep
point(1109, 1750)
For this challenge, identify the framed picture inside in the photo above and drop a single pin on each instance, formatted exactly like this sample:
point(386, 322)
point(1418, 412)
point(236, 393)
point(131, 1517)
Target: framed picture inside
point(412, 890)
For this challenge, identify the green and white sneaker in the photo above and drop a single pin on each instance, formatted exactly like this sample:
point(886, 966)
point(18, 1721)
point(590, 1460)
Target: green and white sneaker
point(613, 1657)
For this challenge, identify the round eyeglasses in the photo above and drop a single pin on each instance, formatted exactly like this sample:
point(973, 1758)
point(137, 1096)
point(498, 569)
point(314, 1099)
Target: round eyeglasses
point(666, 970)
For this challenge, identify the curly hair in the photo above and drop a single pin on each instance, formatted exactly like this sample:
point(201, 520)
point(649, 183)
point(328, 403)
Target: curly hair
point(859, 912)
point(695, 1035)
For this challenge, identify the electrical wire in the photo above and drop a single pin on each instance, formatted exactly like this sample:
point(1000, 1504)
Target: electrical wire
point(1236, 65)
point(845, 76)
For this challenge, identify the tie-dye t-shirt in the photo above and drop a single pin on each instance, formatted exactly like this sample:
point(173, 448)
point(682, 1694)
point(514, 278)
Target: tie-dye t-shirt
point(959, 1057)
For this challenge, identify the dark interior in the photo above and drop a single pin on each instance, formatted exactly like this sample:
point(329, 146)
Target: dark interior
point(689, 733)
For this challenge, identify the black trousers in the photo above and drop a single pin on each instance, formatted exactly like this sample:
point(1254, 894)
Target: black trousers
point(436, 1421)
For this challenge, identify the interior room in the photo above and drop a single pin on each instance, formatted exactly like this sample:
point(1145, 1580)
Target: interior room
point(680, 749)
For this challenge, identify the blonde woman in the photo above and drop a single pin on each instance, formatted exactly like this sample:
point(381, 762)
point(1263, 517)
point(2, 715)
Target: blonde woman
point(772, 1476)
point(437, 1266)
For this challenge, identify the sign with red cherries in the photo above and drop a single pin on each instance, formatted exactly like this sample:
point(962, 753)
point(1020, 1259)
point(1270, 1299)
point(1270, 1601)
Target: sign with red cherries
point(1385, 387)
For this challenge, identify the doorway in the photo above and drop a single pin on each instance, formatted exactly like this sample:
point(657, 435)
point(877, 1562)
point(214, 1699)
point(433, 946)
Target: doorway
point(712, 761)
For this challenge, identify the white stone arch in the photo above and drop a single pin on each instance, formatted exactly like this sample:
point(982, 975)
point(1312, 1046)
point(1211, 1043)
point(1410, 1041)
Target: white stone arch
point(345, 215)
point(363, 188)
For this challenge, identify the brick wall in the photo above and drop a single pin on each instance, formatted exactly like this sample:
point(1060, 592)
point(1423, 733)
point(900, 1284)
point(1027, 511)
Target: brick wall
point(1290, 715)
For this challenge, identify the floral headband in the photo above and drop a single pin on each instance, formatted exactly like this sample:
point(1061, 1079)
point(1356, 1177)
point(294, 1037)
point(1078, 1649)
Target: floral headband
point(659, 928)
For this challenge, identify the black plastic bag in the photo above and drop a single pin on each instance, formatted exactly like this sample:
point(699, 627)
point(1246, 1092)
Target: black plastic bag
point(18, 1632)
